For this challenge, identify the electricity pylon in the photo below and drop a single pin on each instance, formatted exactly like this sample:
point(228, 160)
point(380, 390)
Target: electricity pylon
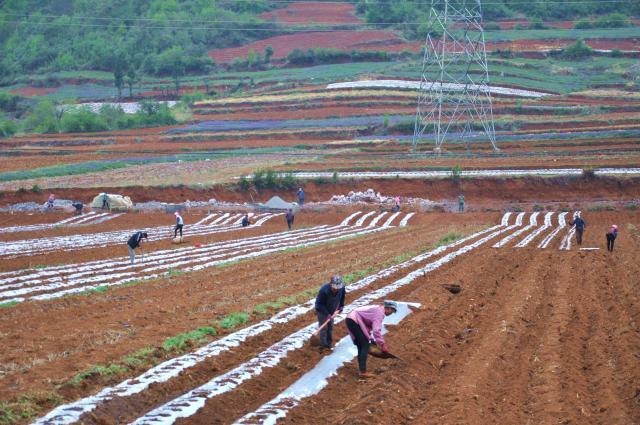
point(454, 98)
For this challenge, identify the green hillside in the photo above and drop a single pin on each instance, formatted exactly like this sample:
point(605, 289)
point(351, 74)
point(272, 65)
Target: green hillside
point(151, 36)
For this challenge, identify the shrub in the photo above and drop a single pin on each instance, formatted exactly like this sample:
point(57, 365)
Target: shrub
point(491, 26)
point(259, 179)
point(577, 51)
point(244, 184)
point(192, 97)
point(83, 120)
point(588, 173)
point(537, 24)
point(7, 128)
point(36, 189)
point(271, 179)
point(616, 53)
point(288, 181)
point(583, 24)
point(612, 20)
point(335, 177)
point(456, 172)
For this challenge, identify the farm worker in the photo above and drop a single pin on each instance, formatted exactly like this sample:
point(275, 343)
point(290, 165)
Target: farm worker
point(179, 224)
point(134, 242)
point(105, 201)
point(396, 203)
point(580, 226)
point(78, 206)
point(461, 203)
point(51, 200)
point(329, 303)
point(612, 234)
point(300, 196)
point(365, 322)
point(290, 217)
point(245, 220)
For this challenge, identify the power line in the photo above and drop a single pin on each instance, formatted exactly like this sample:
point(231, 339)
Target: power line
point(240, 28)
point(235, 21)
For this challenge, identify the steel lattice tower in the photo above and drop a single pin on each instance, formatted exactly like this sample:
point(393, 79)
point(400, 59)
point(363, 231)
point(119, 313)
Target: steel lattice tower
point(454, 89)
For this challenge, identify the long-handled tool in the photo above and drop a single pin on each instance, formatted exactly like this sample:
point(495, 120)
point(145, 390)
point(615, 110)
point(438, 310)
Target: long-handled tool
point(315, 337)
point(375, 351)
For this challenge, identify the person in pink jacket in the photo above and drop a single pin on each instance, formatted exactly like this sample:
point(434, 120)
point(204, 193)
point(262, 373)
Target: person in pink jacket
point(364, 323)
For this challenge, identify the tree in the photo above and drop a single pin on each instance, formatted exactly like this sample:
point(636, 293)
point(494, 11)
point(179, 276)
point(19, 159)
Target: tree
point(268, 52)
point(118, 79)
point(132, 78)
point(172, 62)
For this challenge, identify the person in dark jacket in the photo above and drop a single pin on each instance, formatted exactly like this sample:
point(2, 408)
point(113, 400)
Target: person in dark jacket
point(300, 196)
point(78, 206)
point(245, 220)
point(290, 217)
point(580, 226)
point(612, 234)
point(135, 241)
point(105, 201)
point(329, 303)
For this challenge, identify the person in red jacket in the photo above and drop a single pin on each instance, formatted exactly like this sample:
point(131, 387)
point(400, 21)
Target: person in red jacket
point(364, 323)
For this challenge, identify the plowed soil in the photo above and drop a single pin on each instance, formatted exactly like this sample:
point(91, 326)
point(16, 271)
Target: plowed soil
point(314, 12)
point(48, 343)
point(535, 337)
point(480, 192)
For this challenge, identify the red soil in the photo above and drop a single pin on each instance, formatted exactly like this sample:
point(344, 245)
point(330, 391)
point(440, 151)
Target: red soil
point(537, 45)
point(478, 190)
point(314, 12)
point(29, 91)
point(388, 41)
point(343, 40)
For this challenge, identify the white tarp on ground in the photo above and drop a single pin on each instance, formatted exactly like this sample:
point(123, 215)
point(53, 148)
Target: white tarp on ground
point(116, 202)
point(415, 85)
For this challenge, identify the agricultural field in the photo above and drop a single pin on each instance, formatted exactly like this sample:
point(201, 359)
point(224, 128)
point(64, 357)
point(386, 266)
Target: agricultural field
point(503, 314)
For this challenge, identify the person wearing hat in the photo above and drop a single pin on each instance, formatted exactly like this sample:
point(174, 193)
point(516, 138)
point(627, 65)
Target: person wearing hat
point(179, 224)
point(134, 242)
point(612, 234)
point(329, 303)
point(364, 323)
